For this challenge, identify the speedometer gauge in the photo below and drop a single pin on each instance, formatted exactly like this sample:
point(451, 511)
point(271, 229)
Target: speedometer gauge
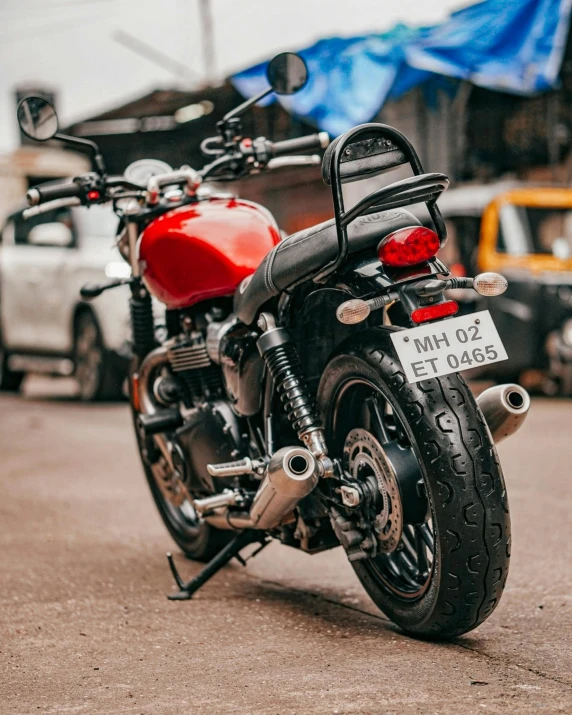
point(139, 172)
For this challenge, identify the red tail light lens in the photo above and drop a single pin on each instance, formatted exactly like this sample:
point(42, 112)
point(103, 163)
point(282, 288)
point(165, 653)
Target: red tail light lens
point(432, 312)
point(408, 246)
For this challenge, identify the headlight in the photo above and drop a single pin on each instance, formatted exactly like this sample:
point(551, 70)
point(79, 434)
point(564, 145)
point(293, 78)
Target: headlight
point(118, 269)
point(567, 332)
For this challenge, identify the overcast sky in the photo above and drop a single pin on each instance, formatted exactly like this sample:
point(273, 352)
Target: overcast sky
point(69, 45)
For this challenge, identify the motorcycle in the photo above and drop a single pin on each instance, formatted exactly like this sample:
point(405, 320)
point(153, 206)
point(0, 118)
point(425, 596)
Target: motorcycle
point(307, 390)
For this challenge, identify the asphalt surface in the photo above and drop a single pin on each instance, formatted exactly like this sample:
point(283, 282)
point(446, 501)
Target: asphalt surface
point(85, 626)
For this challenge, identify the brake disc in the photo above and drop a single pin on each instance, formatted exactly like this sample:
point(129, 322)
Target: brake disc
point(363, 457)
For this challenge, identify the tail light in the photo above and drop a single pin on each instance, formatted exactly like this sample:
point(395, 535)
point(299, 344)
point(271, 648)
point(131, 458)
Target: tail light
point(433, 312)
point(408, 246)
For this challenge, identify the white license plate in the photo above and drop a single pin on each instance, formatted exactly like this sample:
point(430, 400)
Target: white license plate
point(449, 346)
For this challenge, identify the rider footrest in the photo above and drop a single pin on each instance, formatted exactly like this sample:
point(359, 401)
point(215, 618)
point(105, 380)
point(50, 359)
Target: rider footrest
point(235, 469)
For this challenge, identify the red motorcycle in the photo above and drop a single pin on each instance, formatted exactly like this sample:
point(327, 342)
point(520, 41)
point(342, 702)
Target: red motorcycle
point(308, 389)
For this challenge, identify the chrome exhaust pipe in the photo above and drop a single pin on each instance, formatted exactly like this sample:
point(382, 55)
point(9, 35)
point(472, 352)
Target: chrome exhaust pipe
point(215, 510)
point(504, 408)
point(291, 475)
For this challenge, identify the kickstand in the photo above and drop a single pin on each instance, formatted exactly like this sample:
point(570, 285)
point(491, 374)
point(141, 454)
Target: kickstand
point(231, 550)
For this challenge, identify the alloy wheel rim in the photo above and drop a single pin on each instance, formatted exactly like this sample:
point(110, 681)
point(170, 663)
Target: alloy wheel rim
point(405, 571)
point(88, 357)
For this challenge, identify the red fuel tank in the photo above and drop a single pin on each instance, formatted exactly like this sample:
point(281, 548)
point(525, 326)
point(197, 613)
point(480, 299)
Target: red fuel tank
point(205, 250)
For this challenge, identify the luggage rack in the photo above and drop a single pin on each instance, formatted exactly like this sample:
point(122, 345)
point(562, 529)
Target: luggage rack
point(393, 149)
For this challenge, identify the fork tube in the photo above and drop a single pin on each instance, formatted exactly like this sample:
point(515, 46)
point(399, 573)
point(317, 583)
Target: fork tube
point(133, 235)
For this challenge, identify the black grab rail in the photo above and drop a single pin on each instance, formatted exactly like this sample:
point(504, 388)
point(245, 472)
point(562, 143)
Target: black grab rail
point(419, 188)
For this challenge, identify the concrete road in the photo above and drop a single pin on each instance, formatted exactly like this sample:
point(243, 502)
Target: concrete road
point(85, 626)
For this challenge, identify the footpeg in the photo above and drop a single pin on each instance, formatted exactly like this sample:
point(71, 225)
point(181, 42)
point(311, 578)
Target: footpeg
point(236, 469)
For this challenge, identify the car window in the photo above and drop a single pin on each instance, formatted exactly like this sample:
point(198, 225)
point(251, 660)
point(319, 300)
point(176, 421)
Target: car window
point(525, 230)
point(22, 226)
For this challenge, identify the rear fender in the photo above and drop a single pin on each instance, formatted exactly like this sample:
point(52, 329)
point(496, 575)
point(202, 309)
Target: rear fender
point(316, 331)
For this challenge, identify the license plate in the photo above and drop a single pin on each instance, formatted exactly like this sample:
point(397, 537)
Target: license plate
point(449, 346)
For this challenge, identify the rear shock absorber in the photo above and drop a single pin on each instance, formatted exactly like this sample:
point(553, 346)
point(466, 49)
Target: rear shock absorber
point(142, 324)
point(278, 350)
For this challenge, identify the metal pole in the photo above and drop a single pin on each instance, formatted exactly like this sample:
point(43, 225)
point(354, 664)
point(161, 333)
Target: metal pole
point(208, 41)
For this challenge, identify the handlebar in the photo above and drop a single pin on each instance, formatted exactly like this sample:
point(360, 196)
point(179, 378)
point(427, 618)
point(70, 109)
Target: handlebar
point(41, 194)
point(50, 206)
point(283, 161)
point(301, 144)
point(249, 156)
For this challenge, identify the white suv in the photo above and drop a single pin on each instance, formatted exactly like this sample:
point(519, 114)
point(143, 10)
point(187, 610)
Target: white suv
point(44, 325)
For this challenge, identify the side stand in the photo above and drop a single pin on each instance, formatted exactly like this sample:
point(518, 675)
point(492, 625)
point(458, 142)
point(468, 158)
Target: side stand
point(231, 550)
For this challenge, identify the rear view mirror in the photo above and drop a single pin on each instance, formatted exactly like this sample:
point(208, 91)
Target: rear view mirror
point(287, 73)
point(37, 118)
point(51, 234)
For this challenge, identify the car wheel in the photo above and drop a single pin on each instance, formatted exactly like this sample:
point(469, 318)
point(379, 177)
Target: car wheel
point(94, 370)
point(10, 381)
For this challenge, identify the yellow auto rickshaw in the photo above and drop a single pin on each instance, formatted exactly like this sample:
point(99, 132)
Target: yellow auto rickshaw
point(524, 232)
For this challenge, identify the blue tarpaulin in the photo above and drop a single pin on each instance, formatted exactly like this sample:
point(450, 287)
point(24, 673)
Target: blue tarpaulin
point(513, 46)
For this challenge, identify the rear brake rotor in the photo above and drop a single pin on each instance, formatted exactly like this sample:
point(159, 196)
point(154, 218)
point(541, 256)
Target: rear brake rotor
point(363, 457)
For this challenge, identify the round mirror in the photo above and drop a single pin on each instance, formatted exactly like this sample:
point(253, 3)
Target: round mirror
point(37, 118)
point(287, 73)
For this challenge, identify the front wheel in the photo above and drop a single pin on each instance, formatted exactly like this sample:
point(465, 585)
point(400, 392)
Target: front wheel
point(198, 540)
point(442, 524)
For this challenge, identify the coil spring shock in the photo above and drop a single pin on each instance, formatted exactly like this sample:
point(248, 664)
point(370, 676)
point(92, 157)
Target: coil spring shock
point(278, 350)
point(142, 324)
point(286, 370)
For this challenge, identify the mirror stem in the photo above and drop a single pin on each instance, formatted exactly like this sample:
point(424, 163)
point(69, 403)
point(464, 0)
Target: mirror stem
point(88, 144)
point(237, 111)
point(99, 164)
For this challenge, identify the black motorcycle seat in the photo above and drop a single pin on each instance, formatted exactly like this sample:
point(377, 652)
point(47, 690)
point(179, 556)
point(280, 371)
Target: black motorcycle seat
point(306, 252)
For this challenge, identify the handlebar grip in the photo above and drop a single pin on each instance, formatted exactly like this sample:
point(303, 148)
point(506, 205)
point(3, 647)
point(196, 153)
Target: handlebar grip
point(308, 143)
point(41, 194)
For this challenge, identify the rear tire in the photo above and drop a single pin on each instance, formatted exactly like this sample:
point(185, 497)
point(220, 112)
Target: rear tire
point(463, 484)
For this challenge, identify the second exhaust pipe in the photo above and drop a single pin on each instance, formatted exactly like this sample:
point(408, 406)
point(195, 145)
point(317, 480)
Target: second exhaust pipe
point(504, 408)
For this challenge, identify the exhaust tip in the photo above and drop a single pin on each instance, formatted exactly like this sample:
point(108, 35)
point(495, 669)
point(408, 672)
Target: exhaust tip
point(504, 408)
point(298, 464)
point(515, 399)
